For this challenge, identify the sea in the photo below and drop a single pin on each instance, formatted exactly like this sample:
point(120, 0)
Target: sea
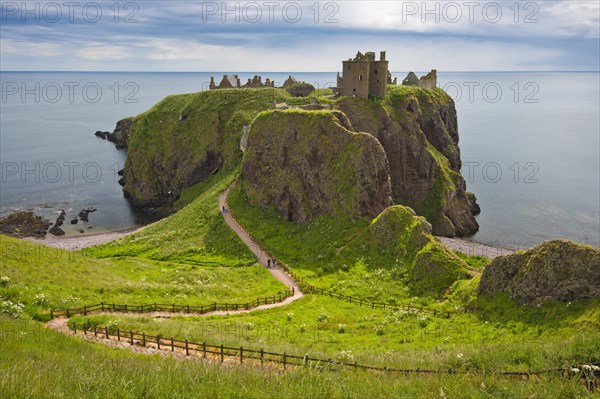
point(530, 146)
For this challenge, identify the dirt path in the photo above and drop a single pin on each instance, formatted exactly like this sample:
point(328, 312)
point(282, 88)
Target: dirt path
point(261, 254)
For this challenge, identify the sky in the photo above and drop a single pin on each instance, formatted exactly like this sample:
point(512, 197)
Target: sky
point(298, 36)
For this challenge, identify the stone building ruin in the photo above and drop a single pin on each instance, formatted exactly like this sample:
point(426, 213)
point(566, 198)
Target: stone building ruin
point(233, 82)
point(364, 76)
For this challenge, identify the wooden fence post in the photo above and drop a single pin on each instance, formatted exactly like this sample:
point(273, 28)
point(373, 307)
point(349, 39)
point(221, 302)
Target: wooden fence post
point(125, 308)
point(131, 337)
point(187, 348)
point(102, 306)
point(284, 360)
point(222, 354)
point(106, 331)
point(241, 355)
point(204, 349)
point(74, 328)
point(158, 341)
point(118, 334)
point(84, 310)
point(155, 308)
point(173, 308)
point(51, 313)
point(95, 331)
point(68, 315)
point(144, 338)
point(262, 356)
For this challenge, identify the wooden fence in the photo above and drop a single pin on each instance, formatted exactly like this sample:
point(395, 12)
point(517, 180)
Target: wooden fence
point(174, 308)
point(241, 354)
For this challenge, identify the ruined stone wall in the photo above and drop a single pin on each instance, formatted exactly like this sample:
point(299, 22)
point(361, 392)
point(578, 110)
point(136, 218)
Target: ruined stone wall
point(378, 78)
point(355, 79)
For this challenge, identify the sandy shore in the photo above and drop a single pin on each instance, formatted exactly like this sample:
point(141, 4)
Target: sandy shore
point(74, 243)
point(475, 248)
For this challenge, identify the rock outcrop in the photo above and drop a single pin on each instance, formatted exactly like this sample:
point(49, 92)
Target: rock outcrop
point(167, 153)
point(398, 233)
point(419, 132)
point(557, 270)
point(309, 163)
point(119, 136)
point(24, 224)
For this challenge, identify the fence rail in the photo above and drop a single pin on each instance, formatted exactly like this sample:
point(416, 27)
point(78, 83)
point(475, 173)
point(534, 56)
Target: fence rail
point(241, 354)
point(174, 308)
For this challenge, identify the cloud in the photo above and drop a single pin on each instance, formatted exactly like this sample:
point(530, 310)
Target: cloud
point(187, 37)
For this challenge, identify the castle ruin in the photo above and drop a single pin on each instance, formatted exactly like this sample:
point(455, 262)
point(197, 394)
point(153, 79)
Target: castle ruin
point(364, 76)
point(233, 82)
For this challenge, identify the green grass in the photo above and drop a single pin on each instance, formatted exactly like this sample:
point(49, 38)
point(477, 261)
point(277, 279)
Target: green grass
point(329, 328)
point(347, 256)
point(197, 234)
point(42, 278)
point(36, 362)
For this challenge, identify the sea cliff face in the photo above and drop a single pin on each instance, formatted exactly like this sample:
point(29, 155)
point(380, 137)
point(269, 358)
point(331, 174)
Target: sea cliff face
point(358, 156)
point(418, 130)
point(307, 163)
point(184, 139)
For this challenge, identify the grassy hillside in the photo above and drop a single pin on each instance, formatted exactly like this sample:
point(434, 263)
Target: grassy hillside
point(391, 258)
point(555, 336)
point(36, 362)
point(196, 234)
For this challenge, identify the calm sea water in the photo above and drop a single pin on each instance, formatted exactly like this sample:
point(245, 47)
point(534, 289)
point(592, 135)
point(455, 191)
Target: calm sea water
point(530, 146)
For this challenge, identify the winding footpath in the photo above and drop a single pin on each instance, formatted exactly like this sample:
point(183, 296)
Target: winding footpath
point(60, 324)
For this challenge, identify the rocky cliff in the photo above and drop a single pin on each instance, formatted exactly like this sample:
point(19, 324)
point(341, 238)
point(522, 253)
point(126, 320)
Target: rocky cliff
point(184, 139)
point(308, 163)
point(558, 270)
point(418, 130)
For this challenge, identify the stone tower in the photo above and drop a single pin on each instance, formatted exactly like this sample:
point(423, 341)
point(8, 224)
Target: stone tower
point(364, 76)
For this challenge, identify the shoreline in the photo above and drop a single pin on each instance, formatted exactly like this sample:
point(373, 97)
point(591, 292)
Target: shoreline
point(73, 243)
point(470, 247)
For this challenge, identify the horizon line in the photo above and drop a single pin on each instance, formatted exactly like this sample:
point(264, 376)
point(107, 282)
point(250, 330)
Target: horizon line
point(416, 70)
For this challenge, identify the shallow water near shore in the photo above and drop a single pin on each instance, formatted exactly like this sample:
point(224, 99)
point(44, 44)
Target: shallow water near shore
point(529, 143)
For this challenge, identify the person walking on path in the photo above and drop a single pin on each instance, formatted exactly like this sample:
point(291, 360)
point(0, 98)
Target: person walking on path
point(268, 263)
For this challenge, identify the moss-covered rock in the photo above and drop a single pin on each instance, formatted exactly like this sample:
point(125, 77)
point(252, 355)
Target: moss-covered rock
point(418, 130)
point(185, 138)
point(399, 234)
point(558, 270)
point(308, 163)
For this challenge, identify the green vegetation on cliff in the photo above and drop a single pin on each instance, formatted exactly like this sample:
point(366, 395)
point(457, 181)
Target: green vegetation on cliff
point(306, 163)
point(418, 130)
point(393, 258)
point(185, 138)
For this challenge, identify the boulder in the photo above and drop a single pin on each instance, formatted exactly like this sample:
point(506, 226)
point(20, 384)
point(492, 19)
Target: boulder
point(557, 270)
